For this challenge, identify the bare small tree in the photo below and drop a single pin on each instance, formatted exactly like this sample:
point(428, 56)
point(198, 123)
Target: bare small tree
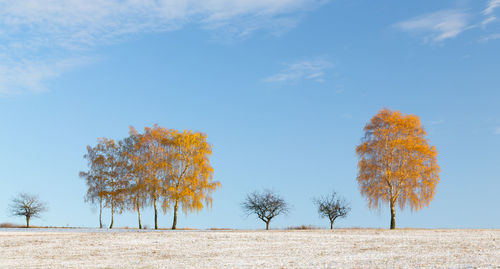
point(265, 205)
point(28, 206)
point(332, 206)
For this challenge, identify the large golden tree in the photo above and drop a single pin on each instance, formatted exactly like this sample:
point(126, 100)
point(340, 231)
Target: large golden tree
point(397, 165)
point(177, 170)
point(154, 164)
point(190, 174)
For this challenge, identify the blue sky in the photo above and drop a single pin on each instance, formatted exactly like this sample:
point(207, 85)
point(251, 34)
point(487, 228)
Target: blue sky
point(282, 88)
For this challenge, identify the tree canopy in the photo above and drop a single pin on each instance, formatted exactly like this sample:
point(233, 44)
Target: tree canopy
point(266, 205)
point(397, 165)
point(163, 167)
point(28, 206)
point(332, 206)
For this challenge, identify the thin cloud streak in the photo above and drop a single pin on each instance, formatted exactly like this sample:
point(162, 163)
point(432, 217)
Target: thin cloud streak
point(437, 122)
point(305, 70)
point(487, 21)
point(438, 26)
point(489, 38)
point(492, 5)
point(16, 78)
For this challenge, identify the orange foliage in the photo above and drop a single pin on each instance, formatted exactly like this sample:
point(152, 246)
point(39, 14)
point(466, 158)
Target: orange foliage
point(397, 164)
point(178, 169)
point(158, 166)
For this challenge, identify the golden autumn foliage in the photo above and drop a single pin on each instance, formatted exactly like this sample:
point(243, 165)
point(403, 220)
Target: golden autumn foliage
point(153, 163)
point(397, 165)
point(191, 175)
point(178, 170)
point(160, 166)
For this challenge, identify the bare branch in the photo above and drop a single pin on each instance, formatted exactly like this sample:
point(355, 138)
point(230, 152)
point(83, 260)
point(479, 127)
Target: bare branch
point(28, 206)
point(265, 205)
point(332, 206)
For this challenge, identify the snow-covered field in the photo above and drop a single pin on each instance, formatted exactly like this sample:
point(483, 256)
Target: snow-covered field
point(342, 248)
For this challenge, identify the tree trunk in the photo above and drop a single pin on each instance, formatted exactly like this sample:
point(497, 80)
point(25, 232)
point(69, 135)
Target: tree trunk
point(112, 217)
point(332, 220)
point(393, 216)
point(139, 215)
point(100, 214)
point(267, 224)
point(174, 224)
point(27, 222)
point(156, 214)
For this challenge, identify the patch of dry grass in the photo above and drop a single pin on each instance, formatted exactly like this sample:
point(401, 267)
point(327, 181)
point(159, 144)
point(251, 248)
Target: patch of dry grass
point(303, 227)
point(10, 225)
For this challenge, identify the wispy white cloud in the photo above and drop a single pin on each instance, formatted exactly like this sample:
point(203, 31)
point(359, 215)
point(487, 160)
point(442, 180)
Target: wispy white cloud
point(490, 37)
point(19, 77)
point(437, 122)
point(492, 5)
point(89, 22)
point(346, 116)
point(304, 70)
point(488, 20)
point(437, 26)
point(35, 31)
point(497, 131)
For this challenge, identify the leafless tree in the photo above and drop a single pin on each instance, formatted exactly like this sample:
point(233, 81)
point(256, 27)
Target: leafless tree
point(265, 205)
point(332, 206)
point(28, 206)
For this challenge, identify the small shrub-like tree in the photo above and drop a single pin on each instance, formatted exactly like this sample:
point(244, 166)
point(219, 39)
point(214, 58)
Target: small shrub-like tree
point(265, 205)
point(332, 206)
point(28, 206)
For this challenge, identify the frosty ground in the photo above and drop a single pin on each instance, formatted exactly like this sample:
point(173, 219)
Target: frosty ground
point(341, 248)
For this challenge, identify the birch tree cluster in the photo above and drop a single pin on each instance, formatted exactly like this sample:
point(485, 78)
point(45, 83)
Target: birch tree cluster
point(161, 168)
